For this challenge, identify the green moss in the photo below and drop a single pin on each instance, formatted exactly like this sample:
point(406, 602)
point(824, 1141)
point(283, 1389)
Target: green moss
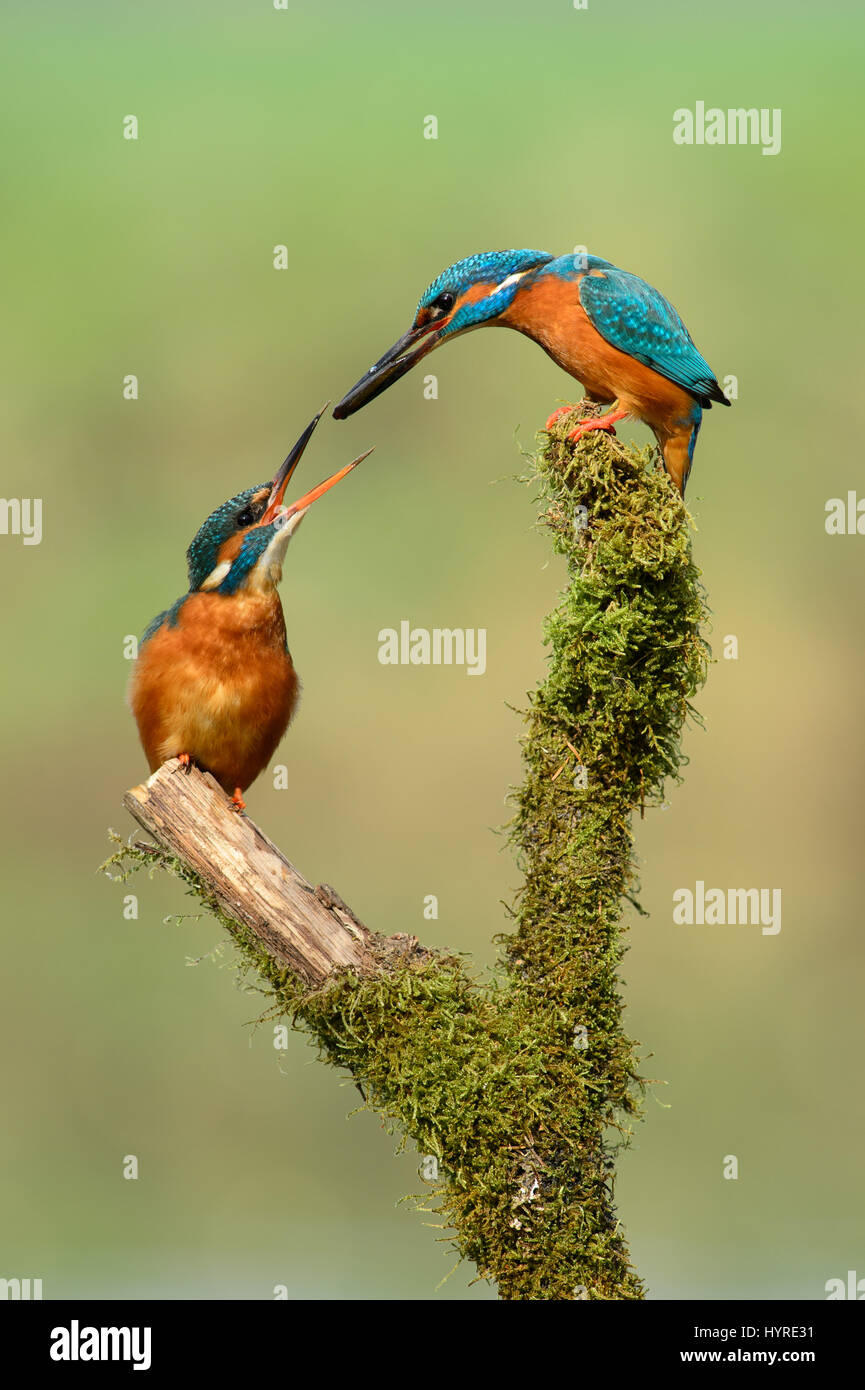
point(522, 1090)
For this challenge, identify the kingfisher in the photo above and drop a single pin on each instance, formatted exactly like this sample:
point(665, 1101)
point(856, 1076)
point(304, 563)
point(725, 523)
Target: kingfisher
point(214, 683)
point(605, 326)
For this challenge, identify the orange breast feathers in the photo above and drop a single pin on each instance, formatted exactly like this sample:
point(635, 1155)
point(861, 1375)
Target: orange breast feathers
point(549, 311)
point(219, 685)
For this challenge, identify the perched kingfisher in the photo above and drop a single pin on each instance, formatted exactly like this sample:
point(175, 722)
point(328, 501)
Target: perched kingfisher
point(214, 683)
point(617, 335)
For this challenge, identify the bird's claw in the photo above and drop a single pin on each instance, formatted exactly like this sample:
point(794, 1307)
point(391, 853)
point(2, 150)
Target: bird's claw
point(557, 415)
point(600, 422)
point(586, 427)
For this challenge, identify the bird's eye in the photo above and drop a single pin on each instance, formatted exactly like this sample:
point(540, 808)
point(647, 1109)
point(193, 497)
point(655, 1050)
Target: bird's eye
point(444, 302)
point(245, 518)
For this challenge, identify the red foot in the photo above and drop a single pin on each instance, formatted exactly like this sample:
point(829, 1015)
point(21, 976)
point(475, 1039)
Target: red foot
point(557, 415)
point(601, 422)
point(237, 801)
point(185, 761)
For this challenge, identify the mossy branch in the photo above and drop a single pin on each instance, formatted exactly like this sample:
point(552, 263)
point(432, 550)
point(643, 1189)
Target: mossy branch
point(521, 1091)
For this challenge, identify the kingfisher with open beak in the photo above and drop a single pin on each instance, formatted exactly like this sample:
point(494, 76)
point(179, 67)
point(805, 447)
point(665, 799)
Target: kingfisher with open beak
point(214, 683)
point(606, 327)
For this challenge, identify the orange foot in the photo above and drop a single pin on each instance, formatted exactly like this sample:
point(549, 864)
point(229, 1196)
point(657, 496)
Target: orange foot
point(557, 415)
point(601, 422)
point(237, 801)
point(185, 761)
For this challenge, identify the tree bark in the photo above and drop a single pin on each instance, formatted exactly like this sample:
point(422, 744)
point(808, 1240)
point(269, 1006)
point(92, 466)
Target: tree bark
point(308, 930)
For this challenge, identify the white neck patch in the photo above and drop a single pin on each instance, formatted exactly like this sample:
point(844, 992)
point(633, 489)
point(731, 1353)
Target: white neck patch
point(511, 280)
point(215, 578)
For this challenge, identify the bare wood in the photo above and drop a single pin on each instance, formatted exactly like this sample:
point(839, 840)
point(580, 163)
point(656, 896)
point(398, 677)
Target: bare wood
point(309, 930)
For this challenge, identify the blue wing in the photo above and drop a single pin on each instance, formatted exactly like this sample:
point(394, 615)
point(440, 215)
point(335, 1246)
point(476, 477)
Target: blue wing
point(637, 319)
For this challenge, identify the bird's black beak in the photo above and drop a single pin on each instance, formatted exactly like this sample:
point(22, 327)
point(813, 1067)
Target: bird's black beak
point(398, 360)
point(283, 477)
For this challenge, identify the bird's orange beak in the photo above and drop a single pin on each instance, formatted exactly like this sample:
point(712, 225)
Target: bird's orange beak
point(303, 504)
point(289, 518)
point(283, 477)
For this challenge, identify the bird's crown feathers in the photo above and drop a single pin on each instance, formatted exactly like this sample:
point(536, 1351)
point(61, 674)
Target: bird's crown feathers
point(240, 511)
point(488, 267)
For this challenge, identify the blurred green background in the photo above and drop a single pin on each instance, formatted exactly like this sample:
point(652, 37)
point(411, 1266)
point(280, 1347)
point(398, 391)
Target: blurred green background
point(154, 257)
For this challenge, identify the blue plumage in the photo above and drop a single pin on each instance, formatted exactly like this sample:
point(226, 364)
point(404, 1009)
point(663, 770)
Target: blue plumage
point(234, 515)
point(490, 266)
point(636, 318)
point(251, 551)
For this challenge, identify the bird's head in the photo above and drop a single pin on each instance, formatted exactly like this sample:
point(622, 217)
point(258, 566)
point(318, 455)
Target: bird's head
point(247, 556)
point(469, 294)
point(239, 513)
